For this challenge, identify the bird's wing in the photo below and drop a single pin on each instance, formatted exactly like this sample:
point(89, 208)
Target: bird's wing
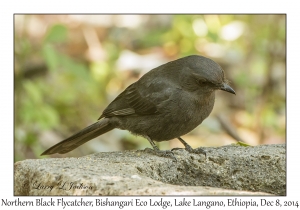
point(129, 102)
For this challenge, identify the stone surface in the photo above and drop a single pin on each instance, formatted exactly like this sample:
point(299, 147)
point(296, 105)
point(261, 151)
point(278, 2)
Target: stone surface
point(227, 170)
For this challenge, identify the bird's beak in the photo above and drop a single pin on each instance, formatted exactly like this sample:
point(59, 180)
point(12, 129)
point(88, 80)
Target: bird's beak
point(227, 88)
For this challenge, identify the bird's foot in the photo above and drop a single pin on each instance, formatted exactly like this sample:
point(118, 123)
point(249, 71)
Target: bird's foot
point(161, 153)
point(191, 150)
point(197, 151)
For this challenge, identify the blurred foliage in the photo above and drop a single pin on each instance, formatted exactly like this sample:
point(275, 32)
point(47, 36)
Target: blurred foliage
point(69, 67)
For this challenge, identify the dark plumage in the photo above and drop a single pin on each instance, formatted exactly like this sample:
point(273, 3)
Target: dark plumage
point(167, 102)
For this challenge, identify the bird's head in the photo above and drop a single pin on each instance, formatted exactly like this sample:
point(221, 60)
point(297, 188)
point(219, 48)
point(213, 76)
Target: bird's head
point(203, 74)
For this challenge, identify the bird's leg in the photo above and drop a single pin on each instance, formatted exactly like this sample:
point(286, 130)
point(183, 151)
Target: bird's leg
point(158, 152)
point(152, 143)
point(190, 149)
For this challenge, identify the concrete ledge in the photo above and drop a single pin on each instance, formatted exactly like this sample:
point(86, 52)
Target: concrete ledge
point(227, 170)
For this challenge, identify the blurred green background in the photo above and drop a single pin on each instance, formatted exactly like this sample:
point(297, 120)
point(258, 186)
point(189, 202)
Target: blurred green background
point(68, 68)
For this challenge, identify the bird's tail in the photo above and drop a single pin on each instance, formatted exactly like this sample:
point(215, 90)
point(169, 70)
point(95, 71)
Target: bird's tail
point(81, 137)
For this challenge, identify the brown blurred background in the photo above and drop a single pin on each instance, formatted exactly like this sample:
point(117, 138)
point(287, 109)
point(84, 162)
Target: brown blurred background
point(68, 68)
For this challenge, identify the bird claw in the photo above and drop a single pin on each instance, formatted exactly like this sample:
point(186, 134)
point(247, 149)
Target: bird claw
point(176, 148)
point(198, 151)
point(162, 153)
point(191, 150)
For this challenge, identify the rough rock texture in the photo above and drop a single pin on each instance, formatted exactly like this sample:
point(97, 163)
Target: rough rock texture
point(227, 170)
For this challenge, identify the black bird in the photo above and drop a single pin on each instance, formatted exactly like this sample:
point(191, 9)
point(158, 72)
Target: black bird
point(166, 103)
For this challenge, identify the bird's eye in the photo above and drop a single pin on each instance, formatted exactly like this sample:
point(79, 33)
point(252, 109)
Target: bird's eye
point(202, 82)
